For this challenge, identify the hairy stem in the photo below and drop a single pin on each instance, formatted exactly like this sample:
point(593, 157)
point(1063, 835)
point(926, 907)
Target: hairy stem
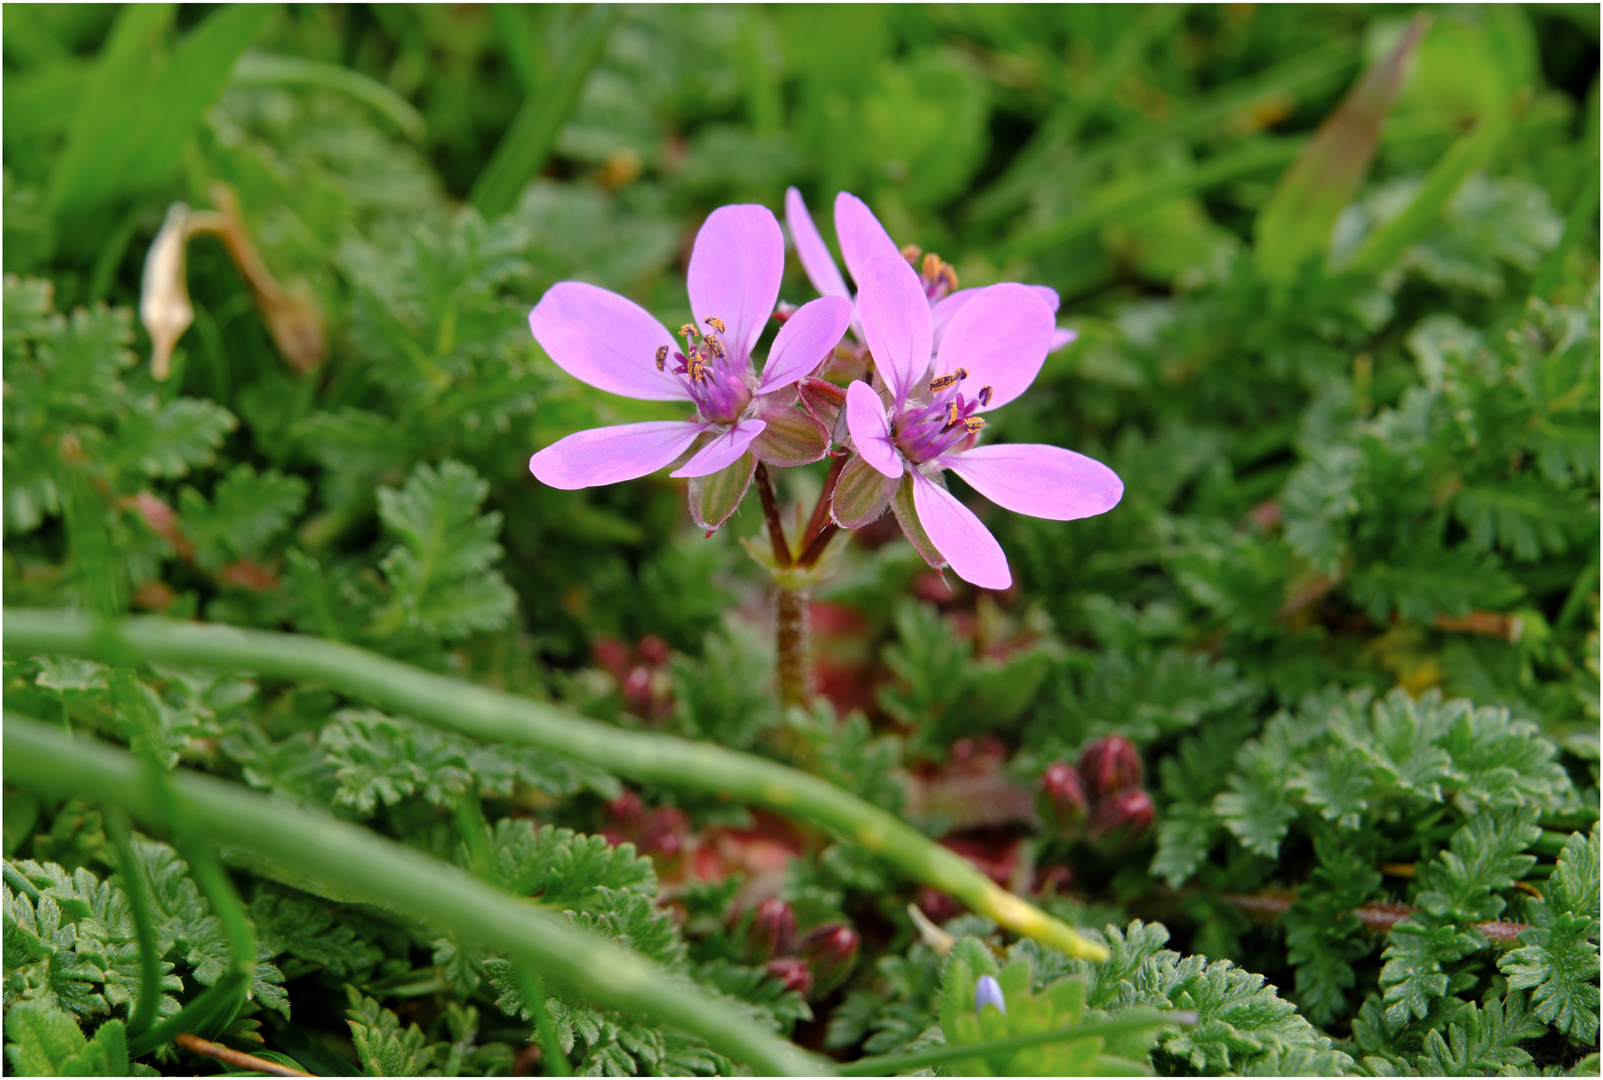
point(793, 645)
point(497, 717)
point(379, 871)
point(776, 527)
point(815, 550)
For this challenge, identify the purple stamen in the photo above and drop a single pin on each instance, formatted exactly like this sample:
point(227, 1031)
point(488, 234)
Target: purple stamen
point(715, 382)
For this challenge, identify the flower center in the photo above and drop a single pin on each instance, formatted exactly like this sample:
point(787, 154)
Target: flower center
point(936, 275)
point(926, 431)
point(716, 382)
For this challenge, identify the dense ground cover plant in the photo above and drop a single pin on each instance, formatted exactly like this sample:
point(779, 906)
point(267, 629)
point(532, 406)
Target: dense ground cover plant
point(1300, 735)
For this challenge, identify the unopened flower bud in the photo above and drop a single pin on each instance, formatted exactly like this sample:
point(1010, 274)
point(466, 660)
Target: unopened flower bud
point(773, 929)
point(1062, 798)
point(653, 650)
point(1121, 820)
point(830, 951)
point(612, 655)
point(793, 972)
point(989, 992)
point(1111, 765)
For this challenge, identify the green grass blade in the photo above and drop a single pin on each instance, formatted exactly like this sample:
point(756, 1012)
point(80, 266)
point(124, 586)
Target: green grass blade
point(1134, 199)
point(1295, 224)
point(1472, 150)
point(486, 714)
point(1582, 210)
point(399, 879)
point(132, 124)
point(264, 69)
point(1302, 76)
point(894, 1064)
point(527, 144)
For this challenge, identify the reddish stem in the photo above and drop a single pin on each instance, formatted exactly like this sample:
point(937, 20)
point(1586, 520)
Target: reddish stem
point(776, 528)
point(820, 518)
point(815, 550)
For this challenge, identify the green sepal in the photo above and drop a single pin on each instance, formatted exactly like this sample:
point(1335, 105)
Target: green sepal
point(862, 494)
point(912, 528)
point(713, 498)
point(793, 436)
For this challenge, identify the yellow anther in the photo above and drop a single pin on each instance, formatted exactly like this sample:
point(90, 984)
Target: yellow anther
point(951, 412)
point(695, 368)
point(974, 423)
point(961, 373)
point(911, 252)
point(985, 394)
point(688, 330)
point(941, 382)
point(716, 323)
point(662, 356)
point(715, 347)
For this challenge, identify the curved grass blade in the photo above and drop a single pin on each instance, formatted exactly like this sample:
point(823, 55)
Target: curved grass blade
point(385, 873)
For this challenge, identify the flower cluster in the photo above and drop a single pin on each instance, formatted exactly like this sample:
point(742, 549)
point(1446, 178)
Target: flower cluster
point(926, 362)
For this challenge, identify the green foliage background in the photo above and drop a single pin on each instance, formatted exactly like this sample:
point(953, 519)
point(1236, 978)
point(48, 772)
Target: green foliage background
point(1347, 609)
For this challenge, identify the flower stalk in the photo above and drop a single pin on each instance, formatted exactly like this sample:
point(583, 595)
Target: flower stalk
point(498, 717)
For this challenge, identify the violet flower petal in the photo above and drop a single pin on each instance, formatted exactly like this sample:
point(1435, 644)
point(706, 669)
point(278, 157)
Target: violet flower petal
point(811, 249)
point(1000, 337)
point(606, 340)
point(871, 432)
point(1041, 481)
point(1062, 338)
point(942, 310)
point(896, 318)
point(722, 450)
point(862, 238)
point(735, 269)
point(958, 535)
point(807, 338)
point(612, 454)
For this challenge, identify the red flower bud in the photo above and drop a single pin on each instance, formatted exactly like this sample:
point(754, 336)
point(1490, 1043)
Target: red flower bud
point(1062, 798)
point(1121, 820)
point(653, 650)
point(1111, 765)
point(612, 655)
point(830, 952)
point(627, 812)
point(773, 929)
point(793, 972)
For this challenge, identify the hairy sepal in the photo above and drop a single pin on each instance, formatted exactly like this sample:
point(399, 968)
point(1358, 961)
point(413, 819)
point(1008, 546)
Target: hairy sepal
point(912, 528)
point(824, 400)
point(714, 497)
point(861, 495)
point(793, 436)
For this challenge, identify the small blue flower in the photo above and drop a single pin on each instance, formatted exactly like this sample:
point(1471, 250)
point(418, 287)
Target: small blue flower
point(989, 992)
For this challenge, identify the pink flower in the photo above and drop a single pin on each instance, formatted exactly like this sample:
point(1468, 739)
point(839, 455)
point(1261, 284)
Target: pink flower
point(991, 352)
point(614, 344)
point(862, 238)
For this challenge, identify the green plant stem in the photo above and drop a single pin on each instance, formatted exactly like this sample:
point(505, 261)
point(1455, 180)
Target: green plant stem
point(133, 886)
point(892, 1064)
point(396, 878)
point(497, 717)
point(209, 1013)
point(556, 1062)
